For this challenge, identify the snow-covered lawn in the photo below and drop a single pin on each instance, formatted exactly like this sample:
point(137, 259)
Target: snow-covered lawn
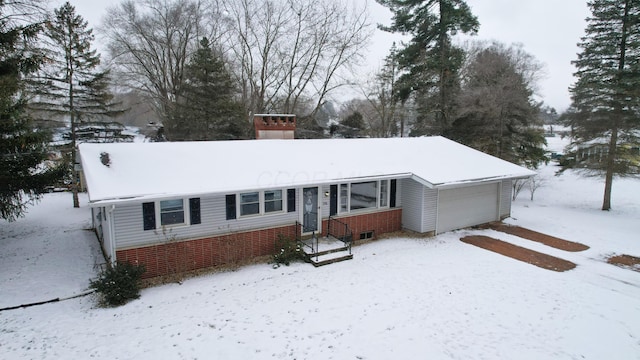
point(402, 298)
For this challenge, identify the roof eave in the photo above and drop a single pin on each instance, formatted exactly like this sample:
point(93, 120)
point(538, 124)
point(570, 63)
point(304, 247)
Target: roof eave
point(161, 196)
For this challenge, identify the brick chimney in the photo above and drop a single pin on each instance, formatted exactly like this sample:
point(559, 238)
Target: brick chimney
point(274, 126)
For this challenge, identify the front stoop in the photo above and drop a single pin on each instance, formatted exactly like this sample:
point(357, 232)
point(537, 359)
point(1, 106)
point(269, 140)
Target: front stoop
point(331, 251)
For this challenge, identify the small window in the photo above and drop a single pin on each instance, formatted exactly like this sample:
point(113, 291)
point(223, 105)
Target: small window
point(366, 235)
point(344, 197)
point(272, 201)
point(171, 212)
point(384, 192)
point(291, 200)
point(249, 203)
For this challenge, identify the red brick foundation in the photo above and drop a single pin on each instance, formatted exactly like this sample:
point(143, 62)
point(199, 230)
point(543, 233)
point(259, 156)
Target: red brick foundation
point(378, 222)
point(181, 256)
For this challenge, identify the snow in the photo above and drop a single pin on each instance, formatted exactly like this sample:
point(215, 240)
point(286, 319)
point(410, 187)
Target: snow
point(154, 170)
point(432, 298)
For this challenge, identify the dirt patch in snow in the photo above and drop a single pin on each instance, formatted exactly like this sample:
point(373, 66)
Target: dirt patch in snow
point(519, 253)
point(625, 261)
point(538, 237)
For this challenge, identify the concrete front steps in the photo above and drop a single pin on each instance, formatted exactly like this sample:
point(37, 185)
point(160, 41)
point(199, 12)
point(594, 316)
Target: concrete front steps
point(329, 251)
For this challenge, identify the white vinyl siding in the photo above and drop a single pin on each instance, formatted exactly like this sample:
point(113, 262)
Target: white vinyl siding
point(323, 201)
point(101, 223)
point(430, 206)
point(128, 218)
point(505, 198)
point(467, 206)
point(129, 230)
point(418, 206)
point(412, 193)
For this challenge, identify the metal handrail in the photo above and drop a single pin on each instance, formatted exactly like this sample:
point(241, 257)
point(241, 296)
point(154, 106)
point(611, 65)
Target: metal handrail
point(300, 228)
point(346, 236)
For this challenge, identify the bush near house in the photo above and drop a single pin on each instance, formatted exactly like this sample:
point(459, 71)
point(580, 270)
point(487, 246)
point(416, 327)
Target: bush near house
point(119, 283)
point(287, 251)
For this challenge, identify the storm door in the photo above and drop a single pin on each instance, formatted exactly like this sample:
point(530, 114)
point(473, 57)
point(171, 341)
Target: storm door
point(310, 211)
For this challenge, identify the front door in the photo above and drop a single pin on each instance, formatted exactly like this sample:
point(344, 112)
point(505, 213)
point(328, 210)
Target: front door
point(310, 209)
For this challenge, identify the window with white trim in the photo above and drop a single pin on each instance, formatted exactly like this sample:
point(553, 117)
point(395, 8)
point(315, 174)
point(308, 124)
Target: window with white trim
point(344, 197)
point(272, 201)
point(363, 195)
point(384, 193)
point(250, 203)
point(260, 202)
point(170, 212)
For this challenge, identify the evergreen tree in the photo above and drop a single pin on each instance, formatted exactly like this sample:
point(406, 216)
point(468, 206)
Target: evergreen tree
point(430, 62)
point(207, 109)
point(352, 126)
point(605, 106)
point(496, 111)
point(23, 149)
point(71, 86)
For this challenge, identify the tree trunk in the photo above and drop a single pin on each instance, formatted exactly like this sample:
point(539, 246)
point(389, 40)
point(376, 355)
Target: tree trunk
point(72, 118)
point(613, 142)
point(608, 180)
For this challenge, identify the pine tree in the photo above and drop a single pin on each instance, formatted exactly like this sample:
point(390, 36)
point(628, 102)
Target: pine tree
point(430, 62)
point(605, 98)
point(206, 108)
point(352, 126)
point(71, 86)
point(23, 149)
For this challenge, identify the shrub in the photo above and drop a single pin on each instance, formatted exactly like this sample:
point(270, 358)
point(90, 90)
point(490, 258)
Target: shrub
point(119, 283)
point(287, 251)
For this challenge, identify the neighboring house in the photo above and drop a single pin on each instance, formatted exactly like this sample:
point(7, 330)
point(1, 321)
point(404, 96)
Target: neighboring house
point(593, 154)
point(189, 205)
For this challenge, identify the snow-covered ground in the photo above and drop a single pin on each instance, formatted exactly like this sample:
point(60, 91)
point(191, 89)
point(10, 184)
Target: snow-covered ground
point(431, 298)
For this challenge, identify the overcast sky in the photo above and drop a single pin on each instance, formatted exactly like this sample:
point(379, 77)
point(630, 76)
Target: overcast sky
point(547, 29)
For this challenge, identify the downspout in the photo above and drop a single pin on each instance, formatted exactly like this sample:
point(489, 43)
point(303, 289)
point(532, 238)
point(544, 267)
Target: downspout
point(112, 243)
point(500, 186)
point(437, 210)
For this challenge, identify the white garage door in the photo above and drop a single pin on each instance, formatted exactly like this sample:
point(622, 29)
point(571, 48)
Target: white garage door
point(467, 206)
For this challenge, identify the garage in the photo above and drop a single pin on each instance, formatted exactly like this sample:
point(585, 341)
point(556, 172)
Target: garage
point(467, 206)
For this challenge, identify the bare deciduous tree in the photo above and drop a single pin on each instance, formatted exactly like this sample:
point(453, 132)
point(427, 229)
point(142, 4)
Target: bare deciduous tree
point(518, 185)
point(535, 182)
point(380, 92)
point(150, 42)
point(291, 51)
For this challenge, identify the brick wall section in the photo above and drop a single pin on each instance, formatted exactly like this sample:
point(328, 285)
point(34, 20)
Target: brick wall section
point(378, 222)
point(181, 256)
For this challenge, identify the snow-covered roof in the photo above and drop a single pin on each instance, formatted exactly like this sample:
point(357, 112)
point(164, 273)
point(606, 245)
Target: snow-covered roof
point(157, 170)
